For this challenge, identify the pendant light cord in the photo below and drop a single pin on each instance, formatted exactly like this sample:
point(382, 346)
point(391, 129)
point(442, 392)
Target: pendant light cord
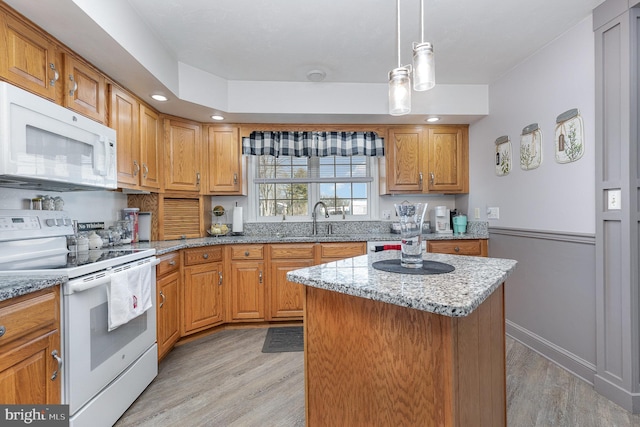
point(421, 21)
point(398, 30)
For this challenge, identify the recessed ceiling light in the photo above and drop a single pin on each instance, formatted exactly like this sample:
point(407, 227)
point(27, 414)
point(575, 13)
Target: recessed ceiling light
point(159, 97)
point(316, 75)
point(433, 119)
point(217, 117)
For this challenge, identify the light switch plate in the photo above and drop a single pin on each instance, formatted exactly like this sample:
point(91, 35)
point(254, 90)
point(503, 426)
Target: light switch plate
point(614, 201)
point(493, 213)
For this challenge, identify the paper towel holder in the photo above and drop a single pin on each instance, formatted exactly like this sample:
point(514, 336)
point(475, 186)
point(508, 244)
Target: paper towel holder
point(237, 225)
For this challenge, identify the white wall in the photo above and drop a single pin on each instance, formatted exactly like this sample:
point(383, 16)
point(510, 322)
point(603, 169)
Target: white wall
point(553, 197)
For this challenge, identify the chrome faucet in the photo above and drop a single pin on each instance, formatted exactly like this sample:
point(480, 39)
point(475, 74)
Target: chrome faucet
point(314, 216)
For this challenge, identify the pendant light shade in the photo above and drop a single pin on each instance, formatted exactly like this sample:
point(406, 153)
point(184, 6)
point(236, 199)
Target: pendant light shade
point(424, 74)
point(399, 91)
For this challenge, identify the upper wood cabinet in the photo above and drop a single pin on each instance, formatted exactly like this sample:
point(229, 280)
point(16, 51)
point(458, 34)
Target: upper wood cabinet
point(426, 159)
point(150, 149)
point(183, 155)
point(448, 159)
point(85, 90)
point(225, 162)
point(124, 118)
point(28, 58)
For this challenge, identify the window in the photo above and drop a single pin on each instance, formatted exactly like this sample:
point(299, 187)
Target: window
point(290, 186)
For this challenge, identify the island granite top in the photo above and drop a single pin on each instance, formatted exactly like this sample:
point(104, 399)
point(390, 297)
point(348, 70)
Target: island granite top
point(454, 294)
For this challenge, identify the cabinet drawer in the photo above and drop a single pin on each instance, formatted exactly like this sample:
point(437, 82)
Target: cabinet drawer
point(29, 313)
point(247, 252)
point(342, 250)
point(168, 263)
point(475, 247)
point(292, 251)
point(202, 255)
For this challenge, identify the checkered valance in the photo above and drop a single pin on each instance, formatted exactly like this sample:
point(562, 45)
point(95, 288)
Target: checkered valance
point(313, 144)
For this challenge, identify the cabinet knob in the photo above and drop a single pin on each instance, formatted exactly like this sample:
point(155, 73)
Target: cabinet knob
point(146, 170)
point(56, 76)
point(246, 253)
point(205, 256)
point(163, 299)
point(75, 85)
point(2, 330)
point(197, 178)
point(260, 277)
point(136, 168)
point(235, 178)
point(432, 178)
point(219, 278)
point(420, 179)
point(172, 262)
point(457, 249)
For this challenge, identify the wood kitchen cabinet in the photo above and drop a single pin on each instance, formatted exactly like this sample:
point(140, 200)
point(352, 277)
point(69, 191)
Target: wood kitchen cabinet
point(203, 289)
point(29, 348)
point(285, 298)
point(139, 149)
point(183, 155)
point(225, 171)
point(28, 58)
point(426, 159)
point(328, 252)
point(474, 247)
point(248, 281)
point(85, 89)
point(167, 302)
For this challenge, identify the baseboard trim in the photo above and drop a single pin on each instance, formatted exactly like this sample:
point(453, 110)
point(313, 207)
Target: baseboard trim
point(561, 357)
point(546, 235)
point(613, 392)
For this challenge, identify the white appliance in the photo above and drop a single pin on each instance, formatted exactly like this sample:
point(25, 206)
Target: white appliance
point(103, 372)
point(441, 220)
point(45, 146)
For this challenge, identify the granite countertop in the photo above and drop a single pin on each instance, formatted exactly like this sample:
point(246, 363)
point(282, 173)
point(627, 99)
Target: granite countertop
point(454, 294)
point(163, 247)
point(12, 286)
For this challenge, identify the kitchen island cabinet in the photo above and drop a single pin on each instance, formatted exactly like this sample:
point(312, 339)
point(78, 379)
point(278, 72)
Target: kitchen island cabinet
point(285, 297)
point(474, 247)
point(397, 349)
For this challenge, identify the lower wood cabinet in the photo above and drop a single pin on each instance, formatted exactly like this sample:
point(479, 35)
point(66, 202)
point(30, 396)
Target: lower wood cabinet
point(248, 281)
point(203, 289)
point(167, 302)
point(30, 348)
point(475, 247)
point(336, 251)
point(285, 298)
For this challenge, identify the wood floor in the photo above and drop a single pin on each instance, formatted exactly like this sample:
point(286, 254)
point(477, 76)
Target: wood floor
point(225, 380)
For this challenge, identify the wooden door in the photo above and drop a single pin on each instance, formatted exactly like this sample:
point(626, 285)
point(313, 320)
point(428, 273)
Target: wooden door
point(150, 149)
point(247, 290)
point(168, 326)
point(28, 58)
point(85, 89)
point(286, 298)
point(225, 161)
point(404, 160)
point(448, 159)
point(202, 296)
point(182, 151)
point(124, 118)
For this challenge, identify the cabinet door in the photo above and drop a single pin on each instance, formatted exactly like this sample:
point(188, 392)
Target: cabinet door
point(448, 159)
point(183, 157)
point(27, 58)
point(150, 149)
point(247, 290)
point(123, 117)
point(225, 161)
point(404, 150)
point(168, 327)
point(475, 247)
point(85, 89)
point(286, 298)
point(337, 251)
point(26, 372)
point(202, 296)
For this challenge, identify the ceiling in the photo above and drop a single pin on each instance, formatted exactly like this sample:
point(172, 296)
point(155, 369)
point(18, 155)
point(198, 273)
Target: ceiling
point(352, 41)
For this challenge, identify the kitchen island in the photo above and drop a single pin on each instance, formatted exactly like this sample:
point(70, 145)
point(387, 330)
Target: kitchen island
point(398, 349)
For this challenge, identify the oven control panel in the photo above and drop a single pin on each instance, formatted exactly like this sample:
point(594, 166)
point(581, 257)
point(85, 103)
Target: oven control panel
point(30, 224)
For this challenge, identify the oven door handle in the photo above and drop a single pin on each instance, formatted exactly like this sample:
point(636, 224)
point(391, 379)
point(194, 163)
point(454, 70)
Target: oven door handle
point(80, 285)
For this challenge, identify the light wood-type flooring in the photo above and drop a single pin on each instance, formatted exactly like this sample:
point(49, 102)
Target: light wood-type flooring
point(225, 380)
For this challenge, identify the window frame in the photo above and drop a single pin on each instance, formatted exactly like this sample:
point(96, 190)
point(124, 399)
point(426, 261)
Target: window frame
point(313, 193)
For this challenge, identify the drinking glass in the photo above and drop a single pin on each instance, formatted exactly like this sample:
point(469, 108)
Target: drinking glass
point(411, 219)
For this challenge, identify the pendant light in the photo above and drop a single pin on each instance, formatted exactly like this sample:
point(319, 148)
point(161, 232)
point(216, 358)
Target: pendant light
point(399, 81)
point(424, 73)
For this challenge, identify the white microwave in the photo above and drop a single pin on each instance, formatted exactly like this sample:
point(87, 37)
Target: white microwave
point(45, 146)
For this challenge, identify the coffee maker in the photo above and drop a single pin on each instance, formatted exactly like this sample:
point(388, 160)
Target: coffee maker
point(441, 220)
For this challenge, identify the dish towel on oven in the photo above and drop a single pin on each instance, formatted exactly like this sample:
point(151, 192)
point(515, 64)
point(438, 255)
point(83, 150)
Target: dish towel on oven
point(128, 294)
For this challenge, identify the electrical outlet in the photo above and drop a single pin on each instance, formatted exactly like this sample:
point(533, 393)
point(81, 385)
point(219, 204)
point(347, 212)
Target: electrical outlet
point(493, 213)
point(476, 213)
point(614, 201)
point(386, 214)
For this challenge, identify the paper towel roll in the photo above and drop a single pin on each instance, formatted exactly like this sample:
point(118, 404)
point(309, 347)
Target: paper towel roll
point(237, 220)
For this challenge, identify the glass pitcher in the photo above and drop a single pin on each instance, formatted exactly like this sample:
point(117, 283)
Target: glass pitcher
point(411, 220)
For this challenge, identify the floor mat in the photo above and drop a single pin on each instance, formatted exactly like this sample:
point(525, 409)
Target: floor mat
point(283, 339)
